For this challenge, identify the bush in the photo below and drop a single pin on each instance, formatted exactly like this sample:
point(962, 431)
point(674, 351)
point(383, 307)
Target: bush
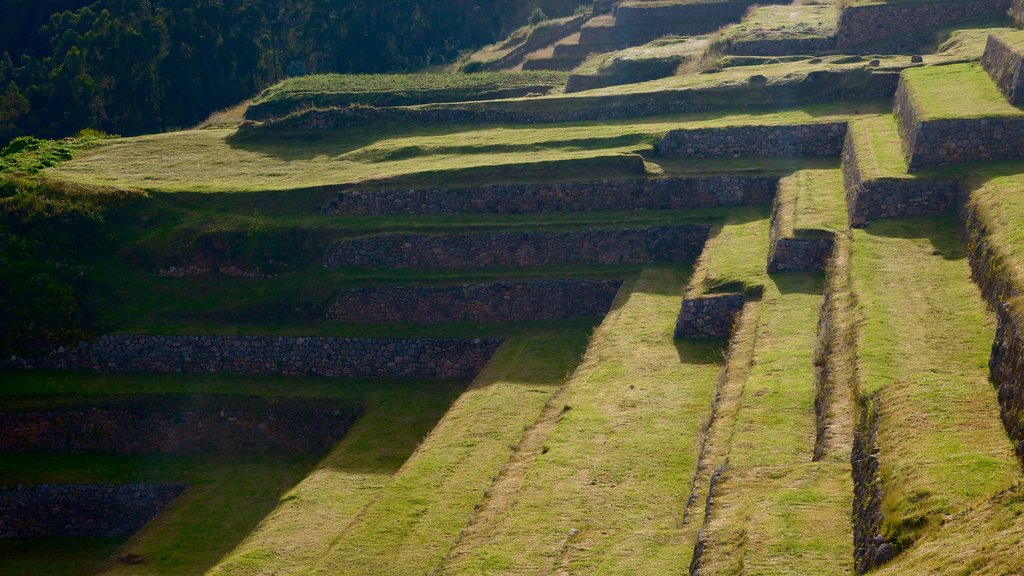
point(537, 16)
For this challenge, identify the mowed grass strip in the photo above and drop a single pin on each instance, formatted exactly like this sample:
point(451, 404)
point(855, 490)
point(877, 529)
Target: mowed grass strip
point(923, 348)
point(607, 493)
point(816, 200)
point(229, 494)
point(775, 511)
point(418, 517)
point(956, 91)
point(211, 161)
point(876, 140)
point(310, 516)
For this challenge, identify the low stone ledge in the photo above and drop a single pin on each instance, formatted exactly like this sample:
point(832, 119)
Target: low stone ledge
point(179, 424)
point(520, 249)
point(621, 195)
point(332, 357)
point(493, 302)
point(800, 254)
point(932, 143)
point(779, 47)
point(876, 22)
point(81, 510)
point(878, 199)
point(768, 141)
point(1006, 68)
point(709, 316)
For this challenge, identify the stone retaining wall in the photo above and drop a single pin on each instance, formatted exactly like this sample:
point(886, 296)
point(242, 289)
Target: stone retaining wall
point(520, 249)
point(876, 22)
point(709, 316)
point(818, 86)
point(1006, 67)
point(622, 195)
point(800, 254)
point(941, 142)
point(179, 424)
point(385, 358)
point(640, 22)
point(870, 200)
point(535, 42)
point(804, 140)
point(779, 47)
point(870, 549)
point(81, 510)
point(491, 302)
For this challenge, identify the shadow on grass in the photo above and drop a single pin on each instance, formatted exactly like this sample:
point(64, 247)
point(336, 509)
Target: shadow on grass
point(702, 352)
point(799, 282)
point(943, 232)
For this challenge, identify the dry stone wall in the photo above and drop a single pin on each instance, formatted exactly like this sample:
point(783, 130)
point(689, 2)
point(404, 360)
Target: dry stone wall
point(489, 302)
point(1006, 368)
point(81, 510)
point(804, 140)
point(640, 22)
point(332, 357)
point(709, 316)
point(877, 199)
point(816, 87)
point(876, 22)
point(800, 254)
point(622, 195)
point(180, 424)
point(520, 249)
point(779, 47)
point(1006, 67)
point(933, 143)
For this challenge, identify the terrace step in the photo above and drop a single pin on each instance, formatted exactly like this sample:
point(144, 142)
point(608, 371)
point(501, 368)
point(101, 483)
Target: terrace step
point(1004, 62)
point(869, 22)
point(809, 211)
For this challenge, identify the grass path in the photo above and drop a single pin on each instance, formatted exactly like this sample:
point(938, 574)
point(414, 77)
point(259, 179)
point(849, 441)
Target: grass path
point(923, 348)
point(419, 515)
point(607, 492)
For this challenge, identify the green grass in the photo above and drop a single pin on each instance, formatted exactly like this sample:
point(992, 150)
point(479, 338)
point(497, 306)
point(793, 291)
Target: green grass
point(229, 494)
point(340, 90)
point(998, 202)
point(418, 517)
point(210, 161)
point(776, 512)
point(923, 349)
point(607, 490)
point(956, 91)
point(788, 22)
point(735, 258)
point(813, 201)
point(671, 50)
point(876, 141)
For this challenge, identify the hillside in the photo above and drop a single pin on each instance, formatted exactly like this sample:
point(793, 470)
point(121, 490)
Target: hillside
point(650, 287)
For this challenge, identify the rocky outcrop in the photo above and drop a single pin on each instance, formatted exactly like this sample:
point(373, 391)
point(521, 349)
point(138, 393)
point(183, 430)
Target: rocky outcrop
point(179, 424)
point(489, 302)
point(930, 143)
point(709, 316)
point(520, 249)
point(1006, 67)
point(81, 510)
point(599, 195)
point(332, 357)
point(867, 23)
point(868, 200)
point(824, 139)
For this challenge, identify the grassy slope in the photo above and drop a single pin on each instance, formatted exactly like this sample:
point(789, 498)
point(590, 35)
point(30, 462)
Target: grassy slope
point(879, 151)
point(208, 160)
point(606, 494)
point(999, 201)
point(776, 512)
point(419, 515)
point(923, 348)
point(817, 201)
point(229, 494)
point(786, 22)
point(975, 94)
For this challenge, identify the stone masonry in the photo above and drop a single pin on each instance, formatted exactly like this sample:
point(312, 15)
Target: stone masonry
point(773, 141)
point(623, 195)
point(520, 249)
point(386, 358)
point(709, 316)
point(877, 199)
point(941, 142)
point(489, 302)
point(1006, 67)
point(179, 424)
point(81, 510)
point(874, 22)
